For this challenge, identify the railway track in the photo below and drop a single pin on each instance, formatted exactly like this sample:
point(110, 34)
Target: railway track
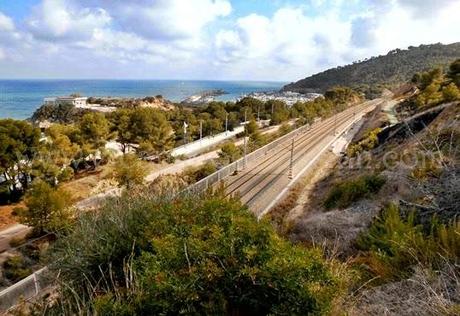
point(261, 176)
point(286, 147)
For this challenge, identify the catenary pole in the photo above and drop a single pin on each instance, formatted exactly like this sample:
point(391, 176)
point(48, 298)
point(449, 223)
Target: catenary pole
point(291, 163)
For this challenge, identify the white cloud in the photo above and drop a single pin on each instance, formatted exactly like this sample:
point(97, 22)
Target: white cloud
point(363, 31)
point(6, 23)
point(424, 8)
point(293, 43)
point(152, 31)
point(129, 47)
point(397, 27)
point(228, 43)
point(206, 39)
point(286, 44)
point(10, 38)
point(167, 19)
point(65, 19)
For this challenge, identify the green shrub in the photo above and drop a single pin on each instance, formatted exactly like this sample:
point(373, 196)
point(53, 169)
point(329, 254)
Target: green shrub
point(451, 93)
point(229, 153)
point(369, 141)
point(130, 171)
point(32, 252)
point(345, 193)
point(47, 208)
point(394, 244)
point(195, 174)
point(284, 129)
point(425, 169)
point(15, 269)
point(171, 159)
point(66, 174)
point(194, 255)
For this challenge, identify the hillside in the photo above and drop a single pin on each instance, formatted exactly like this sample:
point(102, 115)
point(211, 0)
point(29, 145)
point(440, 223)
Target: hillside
point(372, 75)
point(389, 205)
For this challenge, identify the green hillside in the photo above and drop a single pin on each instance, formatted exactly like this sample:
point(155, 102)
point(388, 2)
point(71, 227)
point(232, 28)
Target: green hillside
point(372, 75)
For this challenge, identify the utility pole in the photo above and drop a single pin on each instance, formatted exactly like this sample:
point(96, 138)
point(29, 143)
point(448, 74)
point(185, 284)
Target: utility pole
point(245, 151)
point(258, 113)
point(291, 164)
point(185, 132)
point(226, 123)
point(245, 140)
point(201, 131)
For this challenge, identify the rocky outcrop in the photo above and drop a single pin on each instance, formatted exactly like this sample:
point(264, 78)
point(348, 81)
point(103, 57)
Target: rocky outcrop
point(157, 102)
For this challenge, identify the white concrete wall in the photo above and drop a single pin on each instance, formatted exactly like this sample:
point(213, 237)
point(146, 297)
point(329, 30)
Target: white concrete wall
point(200, 145)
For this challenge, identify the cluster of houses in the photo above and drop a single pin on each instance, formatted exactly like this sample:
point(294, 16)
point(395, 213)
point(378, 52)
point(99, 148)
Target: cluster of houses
point(288, 97)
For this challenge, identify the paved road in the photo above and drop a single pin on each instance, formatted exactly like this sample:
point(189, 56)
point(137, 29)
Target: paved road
point(260, 185)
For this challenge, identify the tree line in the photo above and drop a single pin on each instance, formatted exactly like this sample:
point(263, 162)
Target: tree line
point(372, 75)
point(57, 153)
point(435, 87)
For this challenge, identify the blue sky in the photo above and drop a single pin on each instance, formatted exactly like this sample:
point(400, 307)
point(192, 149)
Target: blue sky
point(280, 40)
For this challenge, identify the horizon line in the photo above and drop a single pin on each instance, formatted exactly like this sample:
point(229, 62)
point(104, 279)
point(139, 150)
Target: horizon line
point(142, 79)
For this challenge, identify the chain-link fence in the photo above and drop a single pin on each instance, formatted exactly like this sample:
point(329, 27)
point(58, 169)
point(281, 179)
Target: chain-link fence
point(23, 290)
point(240, 164)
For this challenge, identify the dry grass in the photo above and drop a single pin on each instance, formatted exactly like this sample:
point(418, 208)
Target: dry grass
point(427, 292)
point(336, 230)
point(95, 182)
point(81, 187)
point(284, 213)
point(6, 215)
point(280, 211)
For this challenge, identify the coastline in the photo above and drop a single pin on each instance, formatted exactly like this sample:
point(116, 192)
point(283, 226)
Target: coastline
point(20, 98)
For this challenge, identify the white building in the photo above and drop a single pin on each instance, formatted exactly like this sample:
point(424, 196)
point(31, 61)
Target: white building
point(75, 101)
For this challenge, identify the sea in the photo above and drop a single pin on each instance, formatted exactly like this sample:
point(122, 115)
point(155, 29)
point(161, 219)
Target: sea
point(20, 98)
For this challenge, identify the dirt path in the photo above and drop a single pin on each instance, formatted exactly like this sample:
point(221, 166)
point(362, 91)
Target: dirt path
point(389, 109)
point(6, 216)
point(15, 231)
